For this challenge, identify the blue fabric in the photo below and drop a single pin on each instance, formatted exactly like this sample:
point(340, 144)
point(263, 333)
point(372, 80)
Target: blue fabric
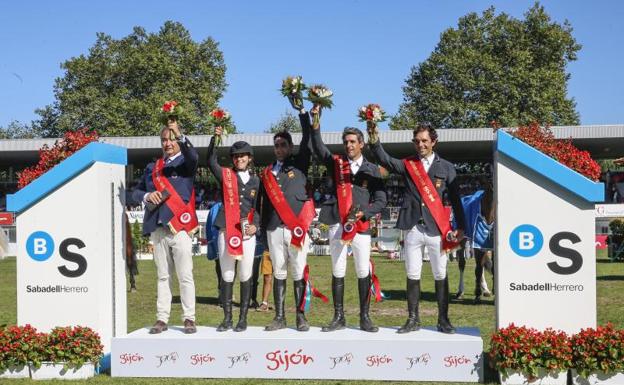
point(212, 232)
point(483, 237)
point(477, 229)
point(472, 209)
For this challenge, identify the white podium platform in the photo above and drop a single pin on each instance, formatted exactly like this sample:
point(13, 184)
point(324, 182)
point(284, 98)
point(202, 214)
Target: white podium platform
point(426, 355)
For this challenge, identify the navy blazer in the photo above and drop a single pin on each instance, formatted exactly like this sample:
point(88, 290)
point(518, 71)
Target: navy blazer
point(442, 174)
point(247, 192)
point(367, 186)
point(292, 179)
point(180, 173)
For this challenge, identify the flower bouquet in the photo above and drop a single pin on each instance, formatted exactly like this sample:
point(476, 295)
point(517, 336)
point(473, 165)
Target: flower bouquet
point(319, 95)
point(170, 110)
point(372, 114)
point(219, 118)
point(292, 88)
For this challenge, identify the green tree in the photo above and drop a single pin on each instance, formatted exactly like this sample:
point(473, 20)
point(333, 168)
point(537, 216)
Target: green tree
point(287, 122)
point(119, 87)
point(494, 68)
point(18, 130)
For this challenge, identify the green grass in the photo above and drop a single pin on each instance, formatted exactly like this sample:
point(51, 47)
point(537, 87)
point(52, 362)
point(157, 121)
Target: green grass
point(391, 312)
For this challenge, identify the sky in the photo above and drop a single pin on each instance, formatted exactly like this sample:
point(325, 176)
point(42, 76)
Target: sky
point(363, 50)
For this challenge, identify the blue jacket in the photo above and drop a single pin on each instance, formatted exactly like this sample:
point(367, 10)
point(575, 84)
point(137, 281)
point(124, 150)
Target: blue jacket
point(180, 173)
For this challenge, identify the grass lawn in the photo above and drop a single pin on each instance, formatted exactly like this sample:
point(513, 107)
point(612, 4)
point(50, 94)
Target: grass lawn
point(391, 312)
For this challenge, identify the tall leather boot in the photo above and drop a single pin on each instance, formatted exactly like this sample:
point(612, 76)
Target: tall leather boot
point(338, 322)
point(413, 297)
point(245, 296)
point(442, 295)
point(279, 297)
point(226, 301)
point(364, 285)
point(302, 322)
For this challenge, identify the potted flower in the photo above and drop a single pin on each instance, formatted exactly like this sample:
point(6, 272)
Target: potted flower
point(562, 150)
point(18, 347)
point(598, 356)
point(527, 356)
point(69, 353)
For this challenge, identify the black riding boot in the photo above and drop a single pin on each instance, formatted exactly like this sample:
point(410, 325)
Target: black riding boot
point(245, 295)
point(442, 295)
point(226, 301)
point(364, 285)
point(413, 297)
point(338, 322)
point(302, 323)
point(279, 297)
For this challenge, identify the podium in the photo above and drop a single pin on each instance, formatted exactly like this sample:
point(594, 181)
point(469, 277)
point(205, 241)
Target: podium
point(70, 244)
point(349, 354)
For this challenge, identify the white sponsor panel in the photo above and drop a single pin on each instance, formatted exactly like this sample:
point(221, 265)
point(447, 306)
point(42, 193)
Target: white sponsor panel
point(425, 355)
point(546, 268)
point(70, 260)
point(615, 210)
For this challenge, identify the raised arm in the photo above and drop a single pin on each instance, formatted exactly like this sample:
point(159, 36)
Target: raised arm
point(302, 159)
point(191, 157)
point(319, 148)
point(393, 165)
point(213, 164)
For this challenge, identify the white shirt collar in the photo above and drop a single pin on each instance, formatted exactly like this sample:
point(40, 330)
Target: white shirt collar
point(244, 175)
point(429, 159)
point(172, 157)
point(357, 161)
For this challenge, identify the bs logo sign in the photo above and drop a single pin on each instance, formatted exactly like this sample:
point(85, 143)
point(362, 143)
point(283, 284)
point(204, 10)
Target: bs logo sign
point(527, 240)
point(40, 247)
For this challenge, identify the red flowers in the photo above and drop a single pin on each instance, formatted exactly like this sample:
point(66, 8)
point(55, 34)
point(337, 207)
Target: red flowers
point(71, 142)
point(526, 350)
point(19, 345)
point(171, 109)
point(218, 113)
point(563, 151)
point(600, 349)
point(74, 346)
point(169, 106)
point(523, 349)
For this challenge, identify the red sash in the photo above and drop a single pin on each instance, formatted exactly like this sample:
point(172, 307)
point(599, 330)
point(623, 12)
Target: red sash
point(231, 207)
point(344, 196)
point(298, 225)
point(429, 195)
point(184, 216)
